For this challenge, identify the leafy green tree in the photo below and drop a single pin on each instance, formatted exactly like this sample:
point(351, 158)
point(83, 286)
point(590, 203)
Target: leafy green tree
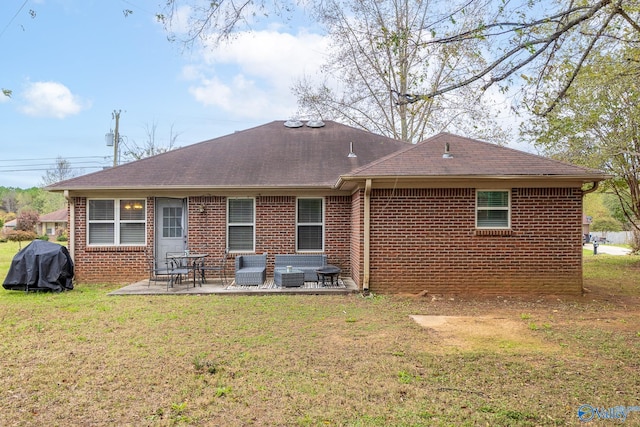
point(16, 199)
point(597, 124)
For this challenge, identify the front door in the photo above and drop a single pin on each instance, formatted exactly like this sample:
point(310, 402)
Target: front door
point(171, 232)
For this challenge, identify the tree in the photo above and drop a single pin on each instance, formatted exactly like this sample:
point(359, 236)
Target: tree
point(549, 50)
point(527, 38)
point(151, 146)
point(27, 220)
point(597, 124)
point(17, 200)
point(25, 230)
point(216, 20)
point(378, 48)
point(60, 171)
point(604, 208)
point(9, 199)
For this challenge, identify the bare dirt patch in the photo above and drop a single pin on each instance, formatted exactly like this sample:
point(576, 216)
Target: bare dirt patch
point(483, 333)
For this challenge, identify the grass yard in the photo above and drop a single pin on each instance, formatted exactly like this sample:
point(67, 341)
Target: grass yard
point(84, 358)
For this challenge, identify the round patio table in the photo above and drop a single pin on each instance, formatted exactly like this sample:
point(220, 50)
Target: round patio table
point(330, 271)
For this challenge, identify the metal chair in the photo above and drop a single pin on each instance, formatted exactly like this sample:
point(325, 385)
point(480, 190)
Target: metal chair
point(220, 268)
point(156, 274)
point(177, 266)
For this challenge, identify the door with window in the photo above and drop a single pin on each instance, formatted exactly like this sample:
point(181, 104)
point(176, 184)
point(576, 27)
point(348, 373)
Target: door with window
point(171, 231)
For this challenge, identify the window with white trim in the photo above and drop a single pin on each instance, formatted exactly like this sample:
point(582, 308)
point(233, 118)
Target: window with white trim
point(241, 225)
point(493, 209)
point(310, 224)
point(113, 222)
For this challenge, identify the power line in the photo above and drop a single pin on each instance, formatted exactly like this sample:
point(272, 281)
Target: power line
point(29, 169)
point(49, 166)
point(53, 158)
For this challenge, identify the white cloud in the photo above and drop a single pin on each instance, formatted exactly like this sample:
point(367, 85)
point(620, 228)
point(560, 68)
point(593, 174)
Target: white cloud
point(252, 75)
point(51, 99)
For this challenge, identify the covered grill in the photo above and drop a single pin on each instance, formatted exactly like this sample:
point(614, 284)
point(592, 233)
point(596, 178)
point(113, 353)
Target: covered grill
point(41, 266)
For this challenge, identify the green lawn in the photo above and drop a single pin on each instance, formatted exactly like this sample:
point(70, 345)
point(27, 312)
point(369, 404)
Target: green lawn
point(85, 358)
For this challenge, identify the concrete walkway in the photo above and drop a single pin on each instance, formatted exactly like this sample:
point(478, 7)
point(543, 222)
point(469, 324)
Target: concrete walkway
point(608, 249)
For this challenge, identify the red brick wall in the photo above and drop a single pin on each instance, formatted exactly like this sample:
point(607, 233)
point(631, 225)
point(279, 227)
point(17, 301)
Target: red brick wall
point(122, 264)
point(420, 240)
point(276, 228)
point(206, 227)
point(426, 240)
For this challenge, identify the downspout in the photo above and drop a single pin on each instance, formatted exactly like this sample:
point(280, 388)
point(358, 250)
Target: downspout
point(367, 234)
point(592, 189)
point(72, 225)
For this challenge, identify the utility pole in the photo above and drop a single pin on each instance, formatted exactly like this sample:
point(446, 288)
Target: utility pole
point(116, 140)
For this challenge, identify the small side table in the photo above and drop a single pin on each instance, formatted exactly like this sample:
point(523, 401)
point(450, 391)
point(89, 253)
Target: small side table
point(288, 279)
point(330, 271)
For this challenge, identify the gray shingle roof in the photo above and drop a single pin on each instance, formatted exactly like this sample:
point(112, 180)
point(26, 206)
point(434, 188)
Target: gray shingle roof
point(468, 157)
point(270, 155)
point(276, 156)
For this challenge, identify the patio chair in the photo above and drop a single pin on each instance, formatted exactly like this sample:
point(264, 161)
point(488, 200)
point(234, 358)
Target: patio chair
point(156, 273)
point(220, 268)
point(251, 269)
point(177, 266)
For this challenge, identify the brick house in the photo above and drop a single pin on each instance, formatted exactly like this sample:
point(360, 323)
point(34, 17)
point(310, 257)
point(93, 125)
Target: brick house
point(448, 215)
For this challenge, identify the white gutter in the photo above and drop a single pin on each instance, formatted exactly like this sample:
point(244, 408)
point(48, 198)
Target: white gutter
point(72, 225)
point(367, 234)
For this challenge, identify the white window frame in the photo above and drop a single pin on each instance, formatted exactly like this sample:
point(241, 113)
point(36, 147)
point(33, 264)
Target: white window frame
point(242, 224)
point(116, 221)
point(494, 208)
point(321, 224)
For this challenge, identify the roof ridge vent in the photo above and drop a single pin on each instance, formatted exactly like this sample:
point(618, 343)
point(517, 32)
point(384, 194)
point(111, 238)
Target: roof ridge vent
point(315, 123)
point(293, 123)
point(447, 154)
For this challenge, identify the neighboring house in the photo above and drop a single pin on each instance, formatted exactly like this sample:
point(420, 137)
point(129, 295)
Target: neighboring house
point(448, 215)
point(53, 223)
point(9, 226)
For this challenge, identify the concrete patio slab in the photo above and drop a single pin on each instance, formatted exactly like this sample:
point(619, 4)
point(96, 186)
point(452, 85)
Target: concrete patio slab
point(215, 286)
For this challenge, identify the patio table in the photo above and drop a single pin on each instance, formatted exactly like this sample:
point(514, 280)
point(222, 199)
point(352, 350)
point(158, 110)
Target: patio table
point(330, 271)
point(194, 259)
point(288, 278)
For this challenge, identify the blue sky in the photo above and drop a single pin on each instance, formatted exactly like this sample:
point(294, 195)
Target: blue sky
point(77, 61)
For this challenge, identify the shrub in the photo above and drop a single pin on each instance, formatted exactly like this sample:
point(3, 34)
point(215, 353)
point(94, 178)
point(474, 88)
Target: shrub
point(62, 238)
point(21, 236)
point(43, 237)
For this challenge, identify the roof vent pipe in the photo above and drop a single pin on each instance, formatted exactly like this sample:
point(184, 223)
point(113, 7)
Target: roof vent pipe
point(447, 154)
point(351, 153)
